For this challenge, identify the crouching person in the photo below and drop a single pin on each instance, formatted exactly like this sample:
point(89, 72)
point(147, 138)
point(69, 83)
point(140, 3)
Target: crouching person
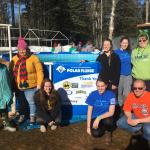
point(48, 106)
point(101, 107)
point(137, 111)
point(5, 98)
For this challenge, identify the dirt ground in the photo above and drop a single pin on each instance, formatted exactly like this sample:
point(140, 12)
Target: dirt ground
point(72, 137)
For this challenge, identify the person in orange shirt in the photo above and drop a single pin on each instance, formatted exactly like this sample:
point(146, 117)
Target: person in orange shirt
point(137, 111)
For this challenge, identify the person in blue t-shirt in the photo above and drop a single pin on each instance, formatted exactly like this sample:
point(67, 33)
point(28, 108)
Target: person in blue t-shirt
point(124, 53)
point(101, 108)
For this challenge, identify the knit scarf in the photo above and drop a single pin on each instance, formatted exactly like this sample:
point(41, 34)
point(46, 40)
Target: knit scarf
point(21, 66)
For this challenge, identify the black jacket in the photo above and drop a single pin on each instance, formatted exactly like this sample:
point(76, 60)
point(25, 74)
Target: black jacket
point(48, 115)
point(110, 68)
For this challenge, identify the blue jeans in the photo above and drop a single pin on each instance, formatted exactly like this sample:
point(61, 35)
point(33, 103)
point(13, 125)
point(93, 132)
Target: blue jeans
point(26, 102)
point(29, 94)
point(122, 123)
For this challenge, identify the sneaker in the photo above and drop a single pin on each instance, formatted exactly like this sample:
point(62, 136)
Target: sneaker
point(42, 128)
point(21, 119)
point(7, 127)
point(53, 127)
point(32, 119)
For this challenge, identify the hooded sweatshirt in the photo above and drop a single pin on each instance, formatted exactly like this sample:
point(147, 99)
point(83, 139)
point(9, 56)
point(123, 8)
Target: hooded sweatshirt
point(140, 60)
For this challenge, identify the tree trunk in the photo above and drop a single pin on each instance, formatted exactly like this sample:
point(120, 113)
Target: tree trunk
point(96, 22)
point(12, 12)
point(111, 23)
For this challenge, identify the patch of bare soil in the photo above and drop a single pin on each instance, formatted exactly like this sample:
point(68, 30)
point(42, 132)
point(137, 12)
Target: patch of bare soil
point(72, 137)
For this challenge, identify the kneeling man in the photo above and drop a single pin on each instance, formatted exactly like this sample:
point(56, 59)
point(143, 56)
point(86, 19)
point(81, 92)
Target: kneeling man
point(137, 111)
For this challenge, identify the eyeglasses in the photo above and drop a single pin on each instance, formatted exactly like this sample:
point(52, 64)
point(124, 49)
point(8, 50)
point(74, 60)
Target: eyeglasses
point(142, 40)
point(137, 88)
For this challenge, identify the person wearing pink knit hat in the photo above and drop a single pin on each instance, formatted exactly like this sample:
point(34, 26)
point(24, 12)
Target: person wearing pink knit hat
point(27, 75)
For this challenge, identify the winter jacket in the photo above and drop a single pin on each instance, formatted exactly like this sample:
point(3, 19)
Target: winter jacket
point(110, 68)
point(54, 114)
point(5, 87)
point(34, 70)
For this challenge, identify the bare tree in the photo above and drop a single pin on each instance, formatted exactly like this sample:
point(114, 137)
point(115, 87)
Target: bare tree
point(112, 16)
point(96, 19)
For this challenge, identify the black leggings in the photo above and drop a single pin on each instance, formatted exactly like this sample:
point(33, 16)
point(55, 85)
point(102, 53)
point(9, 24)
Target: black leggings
point(107, 124)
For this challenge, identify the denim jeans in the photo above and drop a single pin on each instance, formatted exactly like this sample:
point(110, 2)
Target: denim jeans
point(29, 94)
point(122, 123)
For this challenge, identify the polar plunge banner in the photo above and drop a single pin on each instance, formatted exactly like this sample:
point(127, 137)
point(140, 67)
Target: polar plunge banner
point(75, 81)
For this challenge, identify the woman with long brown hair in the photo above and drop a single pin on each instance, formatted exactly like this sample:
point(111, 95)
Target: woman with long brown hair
point(48, 106)
point(110, 65)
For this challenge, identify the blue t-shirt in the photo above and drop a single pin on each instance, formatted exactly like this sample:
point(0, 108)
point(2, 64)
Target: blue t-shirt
point(125, 59)
point(101, 102)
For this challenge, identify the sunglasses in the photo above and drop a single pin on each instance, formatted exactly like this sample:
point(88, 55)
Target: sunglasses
point(142, 40)
point(137, 88)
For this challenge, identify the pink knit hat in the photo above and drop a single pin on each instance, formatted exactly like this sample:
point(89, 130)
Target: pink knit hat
point(21, 43)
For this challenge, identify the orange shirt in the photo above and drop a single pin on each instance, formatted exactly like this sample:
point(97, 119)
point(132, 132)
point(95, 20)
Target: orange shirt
point(139, 106)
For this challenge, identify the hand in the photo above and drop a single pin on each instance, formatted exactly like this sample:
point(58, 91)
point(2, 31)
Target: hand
point(38, 87)
point(133, 122)
point(113, 87)
point(96, 123)
point(82, 60)
point(51, 123)
point(88, 131)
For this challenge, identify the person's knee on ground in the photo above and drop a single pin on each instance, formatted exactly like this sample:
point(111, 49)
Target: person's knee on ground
point(109, 124)
point(97, 132)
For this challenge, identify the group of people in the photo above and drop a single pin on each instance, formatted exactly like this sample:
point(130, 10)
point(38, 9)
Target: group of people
point(124, 81)
point(36, 96)
point(122, 70)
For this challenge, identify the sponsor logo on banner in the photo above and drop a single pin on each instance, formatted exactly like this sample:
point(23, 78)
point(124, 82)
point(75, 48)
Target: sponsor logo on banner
point(74, 101)
point(74, 85)
point(66, 85)
point(60, 69)
point(87, 84)
point(69, 92)
point(80, 92)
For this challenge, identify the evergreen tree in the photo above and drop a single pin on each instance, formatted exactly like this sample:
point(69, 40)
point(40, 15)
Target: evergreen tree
point(126, 18)
point(4, 18)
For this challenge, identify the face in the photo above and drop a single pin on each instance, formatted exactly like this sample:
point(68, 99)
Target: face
point(22, 52)
point(47, 87)
point(139, 88)
point(124, 44)
point(143, 41)
point(101, 87)
point(106, 46)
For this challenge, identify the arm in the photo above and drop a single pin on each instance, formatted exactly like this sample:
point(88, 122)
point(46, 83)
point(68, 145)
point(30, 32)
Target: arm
point(89, 116)
point(39, 72)
point(134, 122)
point(103, 116)
point(128, 114)
point(144, 120)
